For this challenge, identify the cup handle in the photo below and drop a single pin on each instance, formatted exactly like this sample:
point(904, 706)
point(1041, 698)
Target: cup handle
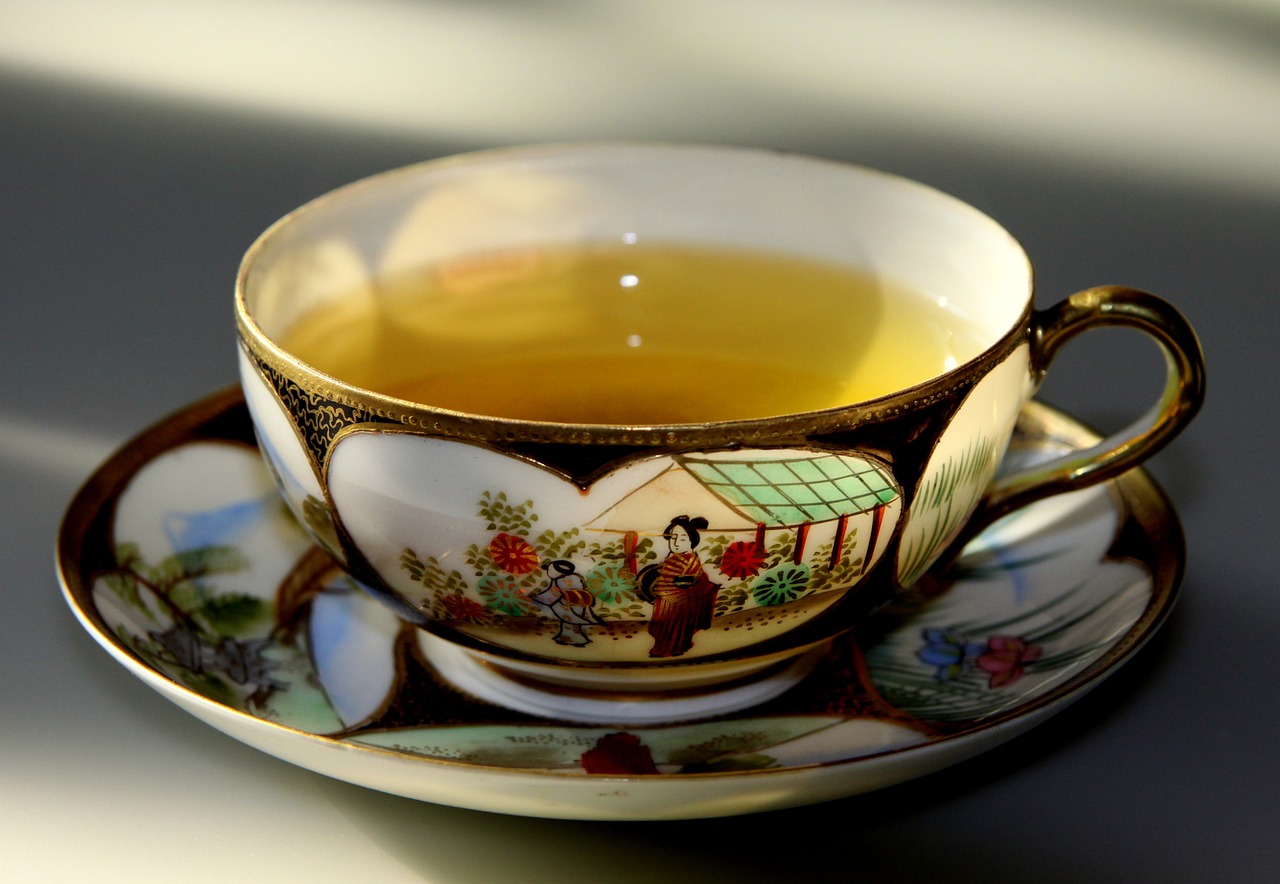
point(1181, 398)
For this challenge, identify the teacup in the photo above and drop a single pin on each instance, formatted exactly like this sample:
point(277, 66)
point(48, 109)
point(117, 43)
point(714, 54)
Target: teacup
point(586, 568)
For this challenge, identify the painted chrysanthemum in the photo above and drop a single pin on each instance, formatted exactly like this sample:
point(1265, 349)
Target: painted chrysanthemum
point(610, 583)
point(501, 593)
point(459, 607)
point(781, 584)
point(742, 559)
point(514, 554)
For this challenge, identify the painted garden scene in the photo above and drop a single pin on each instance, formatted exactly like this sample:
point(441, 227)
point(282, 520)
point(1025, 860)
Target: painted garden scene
point(774, 535)
point(205, 577)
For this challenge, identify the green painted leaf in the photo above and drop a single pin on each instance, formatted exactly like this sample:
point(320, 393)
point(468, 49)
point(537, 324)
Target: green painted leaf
point(232, 613)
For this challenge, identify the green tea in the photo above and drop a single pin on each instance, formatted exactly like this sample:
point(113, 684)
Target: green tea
point(634, 334)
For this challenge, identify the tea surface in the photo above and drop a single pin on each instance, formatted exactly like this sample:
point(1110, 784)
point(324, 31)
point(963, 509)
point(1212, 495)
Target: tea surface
point(634, 334)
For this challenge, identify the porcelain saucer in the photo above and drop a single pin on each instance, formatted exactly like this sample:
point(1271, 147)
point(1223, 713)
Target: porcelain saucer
point(179, 559)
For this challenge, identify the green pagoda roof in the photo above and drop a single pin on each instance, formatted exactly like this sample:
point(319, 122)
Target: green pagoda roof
point(793, 490)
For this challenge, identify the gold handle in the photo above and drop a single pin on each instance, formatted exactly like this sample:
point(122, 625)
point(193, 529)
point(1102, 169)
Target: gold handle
point(1181, 398)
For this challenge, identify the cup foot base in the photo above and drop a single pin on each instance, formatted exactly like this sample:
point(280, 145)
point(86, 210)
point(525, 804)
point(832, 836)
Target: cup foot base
point(477, 675)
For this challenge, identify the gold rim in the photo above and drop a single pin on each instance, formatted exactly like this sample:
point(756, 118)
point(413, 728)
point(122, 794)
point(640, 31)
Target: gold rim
point(1148, 534)
point(264, 352)
point(482, 428)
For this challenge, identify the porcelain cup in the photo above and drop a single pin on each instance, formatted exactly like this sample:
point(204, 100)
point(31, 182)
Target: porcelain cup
point(553, 565)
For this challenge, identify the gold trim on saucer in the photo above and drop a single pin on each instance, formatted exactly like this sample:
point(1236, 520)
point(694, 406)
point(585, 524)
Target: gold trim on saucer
point(1148, 534)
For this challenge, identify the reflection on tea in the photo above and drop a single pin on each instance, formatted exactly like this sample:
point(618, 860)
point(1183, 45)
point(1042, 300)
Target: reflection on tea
point(634, 334)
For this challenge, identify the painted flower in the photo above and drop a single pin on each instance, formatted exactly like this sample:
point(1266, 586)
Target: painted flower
point(619, 754)
point(610, 583)
point(781, 583)
point(514, 554)
point(459, 607)
point(948, 651)
point(1005, 659)
point(503, 594)
point(743, 558)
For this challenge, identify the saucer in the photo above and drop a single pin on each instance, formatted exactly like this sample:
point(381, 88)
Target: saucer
point(180, 560)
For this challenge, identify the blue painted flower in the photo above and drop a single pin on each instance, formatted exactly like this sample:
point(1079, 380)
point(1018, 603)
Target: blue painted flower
point(948, 651)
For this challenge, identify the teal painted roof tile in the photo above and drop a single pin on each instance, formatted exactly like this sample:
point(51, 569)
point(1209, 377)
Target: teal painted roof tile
point(792, 490)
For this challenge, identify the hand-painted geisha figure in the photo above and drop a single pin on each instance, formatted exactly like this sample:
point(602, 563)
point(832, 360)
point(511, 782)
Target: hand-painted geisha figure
point(683, 596)
point(568, 600)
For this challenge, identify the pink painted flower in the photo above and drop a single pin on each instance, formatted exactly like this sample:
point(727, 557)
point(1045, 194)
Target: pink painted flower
point(1005, 659)
point(513, 554)
point(743, 558)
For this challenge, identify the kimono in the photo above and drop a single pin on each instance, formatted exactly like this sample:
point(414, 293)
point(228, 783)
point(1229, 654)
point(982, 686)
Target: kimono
point(684, 598)
point(570, 602)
